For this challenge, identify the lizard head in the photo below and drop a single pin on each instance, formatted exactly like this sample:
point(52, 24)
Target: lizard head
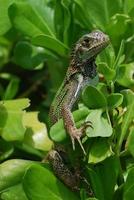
point(90, 45)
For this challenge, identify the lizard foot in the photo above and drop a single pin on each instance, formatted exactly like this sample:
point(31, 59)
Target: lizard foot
point(78, 133)
point(85, 125)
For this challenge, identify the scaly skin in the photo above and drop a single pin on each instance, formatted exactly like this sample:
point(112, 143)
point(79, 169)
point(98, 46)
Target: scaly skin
point(81, 72)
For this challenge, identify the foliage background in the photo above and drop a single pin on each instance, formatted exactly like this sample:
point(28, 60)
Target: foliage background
point(35, 42)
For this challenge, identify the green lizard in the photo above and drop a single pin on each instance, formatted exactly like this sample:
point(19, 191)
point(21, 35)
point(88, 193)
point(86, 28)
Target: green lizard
point(81, 72)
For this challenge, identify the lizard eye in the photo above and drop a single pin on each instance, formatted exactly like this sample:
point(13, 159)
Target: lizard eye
point(86, 40)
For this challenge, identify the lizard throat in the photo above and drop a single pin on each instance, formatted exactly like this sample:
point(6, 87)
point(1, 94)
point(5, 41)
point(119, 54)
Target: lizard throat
point(86, 67)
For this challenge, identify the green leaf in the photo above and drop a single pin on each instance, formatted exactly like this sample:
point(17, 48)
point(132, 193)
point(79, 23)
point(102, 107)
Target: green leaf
point(120, 53)
point(91, 199)
point(96, 184)
point(30, 19)
point(62, 20)
point(57, 131)
point(12, 171)
point(129, 186)
point(7, 150)
point(123, 24)
point(114, 100)
point(47, 187)
point(125, 75)
point(108, 172)
point(103, 178)
point(99, 151)
point(36, 132)
point(97, 12)
point(16, 192)
point(108, 73)
point(128, 6)
point(51, 43)
point(107, 56)
point(11, 115)
point(4, 19)
point(128, 97)
point(28, 56)
point(130, 142)
point(127, 119)
point(11, 89)
point(102, 87)
point(93, 98)
point(101, 126)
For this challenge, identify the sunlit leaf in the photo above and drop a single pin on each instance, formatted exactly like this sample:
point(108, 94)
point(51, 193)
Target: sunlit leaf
point(36, 132)
point(11, 115)
point(101, 126)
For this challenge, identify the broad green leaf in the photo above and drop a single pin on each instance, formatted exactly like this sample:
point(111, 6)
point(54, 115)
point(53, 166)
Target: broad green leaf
point(108, 172)
point(11, 115)
point(97, 12)
point(123, 24)
point(114, 100)
point(108, 73)
point(12, 171)
point(128, 97)
point(96, 184)
point(93, 98)
point(102, 87)
point(81, 15)
point(107, 56)
point(47, 187)
point(4, 19)
point(57, 131)
point(44, 11)
point(36, 132)
point(130, 142)
point(28, 56)
point(27, 18)
point(129, 50)
point(51, 43)
point(129, 186)
point(99, 151)
point(128, 6)
point(15, 192)
point(125, 75)
point(62, 19)
point(101, 126)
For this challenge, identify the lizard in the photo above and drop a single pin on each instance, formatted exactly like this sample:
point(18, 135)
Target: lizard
point(81, 72)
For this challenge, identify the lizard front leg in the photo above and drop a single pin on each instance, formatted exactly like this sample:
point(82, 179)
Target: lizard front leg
point(69, 124)
point(74, 88)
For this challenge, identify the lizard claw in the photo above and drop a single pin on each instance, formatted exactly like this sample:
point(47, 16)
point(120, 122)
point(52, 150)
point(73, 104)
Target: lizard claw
point(77, 135)
point(85, 125)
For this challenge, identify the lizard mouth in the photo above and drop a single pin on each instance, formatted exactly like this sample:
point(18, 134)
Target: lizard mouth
point(98, 47)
